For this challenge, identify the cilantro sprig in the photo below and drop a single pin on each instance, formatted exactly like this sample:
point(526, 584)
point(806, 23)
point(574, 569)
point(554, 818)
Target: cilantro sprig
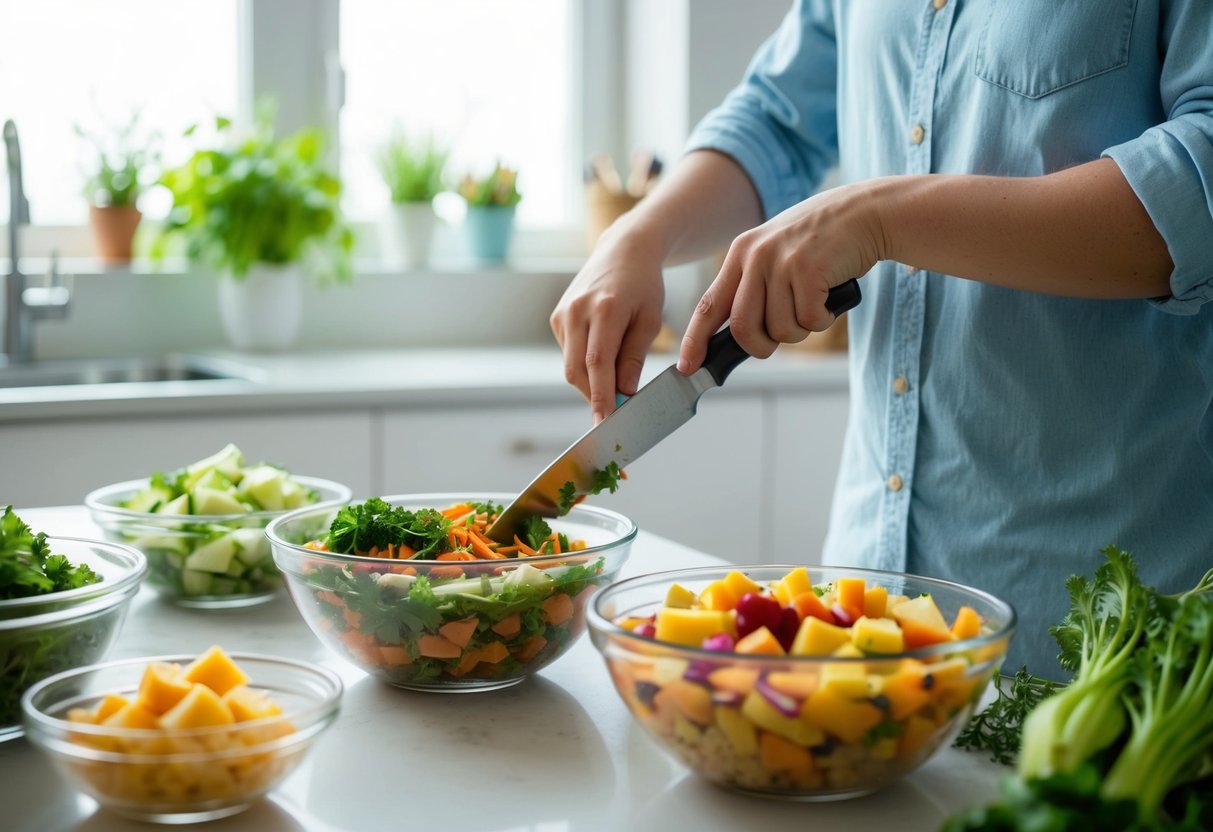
point(27, 565)
point(377, 523)
point(603, 479)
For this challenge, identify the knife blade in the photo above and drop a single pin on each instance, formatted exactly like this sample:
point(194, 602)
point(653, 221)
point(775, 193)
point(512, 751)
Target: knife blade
point(636, 426)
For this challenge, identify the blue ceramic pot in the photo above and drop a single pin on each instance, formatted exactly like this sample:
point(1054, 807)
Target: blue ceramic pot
point(489, 229)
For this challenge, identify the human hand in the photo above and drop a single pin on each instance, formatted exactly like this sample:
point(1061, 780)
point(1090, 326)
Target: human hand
point(773, 285)
point(608, 317)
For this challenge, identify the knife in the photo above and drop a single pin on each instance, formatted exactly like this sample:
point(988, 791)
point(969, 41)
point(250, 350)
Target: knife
point(657, 410)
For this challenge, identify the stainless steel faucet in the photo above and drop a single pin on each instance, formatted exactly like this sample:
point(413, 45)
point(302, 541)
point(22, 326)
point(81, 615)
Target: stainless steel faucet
point(25, 304)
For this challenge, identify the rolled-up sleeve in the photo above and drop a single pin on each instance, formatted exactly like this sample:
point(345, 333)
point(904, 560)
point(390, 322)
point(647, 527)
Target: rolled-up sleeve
point(780, 124)
point(1170, 166)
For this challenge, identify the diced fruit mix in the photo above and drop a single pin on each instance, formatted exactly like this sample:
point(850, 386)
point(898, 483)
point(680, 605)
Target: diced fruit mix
point(212, 692)
point(859, 720)
point(201, 556)
point(480, 616)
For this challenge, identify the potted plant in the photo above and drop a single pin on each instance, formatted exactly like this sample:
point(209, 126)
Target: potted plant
point(119, 168)
point(412, 170)
point(260, 210)
point(490, 218)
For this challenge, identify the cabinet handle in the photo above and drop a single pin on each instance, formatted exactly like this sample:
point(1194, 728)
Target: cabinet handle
point(527, 446)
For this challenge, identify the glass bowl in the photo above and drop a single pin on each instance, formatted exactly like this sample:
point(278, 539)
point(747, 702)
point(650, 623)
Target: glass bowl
point(367, 610)
point(44, 634)
point(201, 560)
point(180, 775)
point(799, 727)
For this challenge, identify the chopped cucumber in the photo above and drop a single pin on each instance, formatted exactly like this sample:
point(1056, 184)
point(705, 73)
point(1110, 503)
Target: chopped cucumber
point(180, 505)
point(214, 501)
point(228, 462)
point(253, 545)
point(148, 500)
point(196, 583)
point(264, 485)
point(215, 556)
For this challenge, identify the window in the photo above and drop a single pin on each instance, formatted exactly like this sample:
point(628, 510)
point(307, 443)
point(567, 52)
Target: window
point(493, 78)
point(68, 61)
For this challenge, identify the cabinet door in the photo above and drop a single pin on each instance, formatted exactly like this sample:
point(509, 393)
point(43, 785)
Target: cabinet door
point(703, 486)
point(58, 463)
point(807, 438)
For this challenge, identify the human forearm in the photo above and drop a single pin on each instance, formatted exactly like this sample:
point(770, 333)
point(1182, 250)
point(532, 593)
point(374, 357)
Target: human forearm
point(697, 210)
point(1081, 232)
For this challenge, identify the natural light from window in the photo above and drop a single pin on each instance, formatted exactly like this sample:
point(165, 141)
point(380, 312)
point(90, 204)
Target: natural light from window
point(67, 61)
point(492, 77)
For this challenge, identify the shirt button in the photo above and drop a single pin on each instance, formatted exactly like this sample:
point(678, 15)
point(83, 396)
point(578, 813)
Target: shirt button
point(917, 134)
point(938, 4)
point(900, 385)
point(895, 483)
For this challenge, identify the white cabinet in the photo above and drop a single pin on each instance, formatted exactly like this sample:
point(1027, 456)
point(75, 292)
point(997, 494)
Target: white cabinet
point(58, 462)
point(702, 486)
point(806, 452)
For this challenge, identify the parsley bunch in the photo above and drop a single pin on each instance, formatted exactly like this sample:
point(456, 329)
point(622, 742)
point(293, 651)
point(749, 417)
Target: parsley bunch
point(27, 566)
point(359, 528)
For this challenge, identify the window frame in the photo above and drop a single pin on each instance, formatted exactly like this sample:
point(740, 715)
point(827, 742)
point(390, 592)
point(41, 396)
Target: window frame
point(290, 49)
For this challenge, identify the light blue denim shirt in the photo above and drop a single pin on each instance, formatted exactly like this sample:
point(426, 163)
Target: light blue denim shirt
point(1000, 438)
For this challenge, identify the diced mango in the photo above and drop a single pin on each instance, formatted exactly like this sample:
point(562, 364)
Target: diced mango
point(132, 715)
point(845, 718)
point(947, 671)
point(777, 754)
point(921, 622)
point(691, 627)
point(808, 604)
point(766, 716)
point(849, 592)
point(848, 651)
point(735, 679)
point(110, 704)
point(918, 730)
point(760, 642)
point(216, 670)
point(162, 686)
point(686, 730)
point(877, 635)
point(740, 584)
point(799, 685)
point(796, 582)
point(817, 638)
point(848, 679)
point(679, 597)
point(86, 715)
point(200, 708)
point(692, 700)
point(906, 691)
point(738, 730)
point(875, 601)
point(967, 624)
point(717, 596)
point(246, 704)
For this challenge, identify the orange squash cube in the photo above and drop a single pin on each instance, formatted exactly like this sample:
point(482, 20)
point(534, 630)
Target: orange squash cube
point(717, 596)
point(778, 754)
point(808, 604)
point(200, 708)
point(849, 592)
point(845, 718)
point(216, 670)
point(162, 686)
point(875, 601)
point(132, 715)
point(760, 642)
point(246, 704)
point(967, 624)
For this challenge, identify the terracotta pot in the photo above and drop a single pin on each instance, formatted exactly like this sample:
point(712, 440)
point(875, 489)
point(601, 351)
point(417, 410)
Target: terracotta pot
point(114, 230)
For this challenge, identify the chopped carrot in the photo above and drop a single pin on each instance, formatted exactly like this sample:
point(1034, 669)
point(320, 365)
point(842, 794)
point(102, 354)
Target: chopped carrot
point(558, 609)
point(507, 550)
point(460, 632)
point(523, 548)
point(509, 626)
point(443, 572)
point(457, 510)
point(530, 648)
point(330, 597)
point(493, 652)
point(438, 647)
point(556, 544)
point(481, 547)
point(394, 655)
point(459, 555)
point(353, 619)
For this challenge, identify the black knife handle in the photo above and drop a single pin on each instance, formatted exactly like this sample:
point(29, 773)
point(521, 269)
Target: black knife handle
point(724, 353)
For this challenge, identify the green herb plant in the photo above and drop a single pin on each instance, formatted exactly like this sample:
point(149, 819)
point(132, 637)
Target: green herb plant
point(243, 200)
point(121, 162)
point(412, 168)
point(1127, 744)
point(499, 188)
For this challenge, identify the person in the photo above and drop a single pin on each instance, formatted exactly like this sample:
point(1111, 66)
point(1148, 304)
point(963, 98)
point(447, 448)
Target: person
point(1026, 191)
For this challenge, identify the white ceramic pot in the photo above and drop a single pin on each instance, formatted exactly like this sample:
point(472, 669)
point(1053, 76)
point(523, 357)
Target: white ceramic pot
point(408, 233)
point(263, 310)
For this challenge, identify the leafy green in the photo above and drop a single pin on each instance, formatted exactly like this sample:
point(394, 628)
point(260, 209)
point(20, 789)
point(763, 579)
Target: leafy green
point(568, 498)
point(258, 199)
point(122, 158)
point(412, 169)
point(377, 523)
point(28, 568)
point(535, 531)
point(603, 479)
point(997, 728)
point(1128, 743)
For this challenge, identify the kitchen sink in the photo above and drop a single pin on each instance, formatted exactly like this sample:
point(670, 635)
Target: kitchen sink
point(124, 371)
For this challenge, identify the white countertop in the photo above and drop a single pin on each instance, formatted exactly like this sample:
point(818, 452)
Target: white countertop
point(557, 753)
point(349, 379)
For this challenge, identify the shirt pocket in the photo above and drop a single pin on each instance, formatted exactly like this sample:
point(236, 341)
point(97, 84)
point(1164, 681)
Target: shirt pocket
point(1037, 47)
